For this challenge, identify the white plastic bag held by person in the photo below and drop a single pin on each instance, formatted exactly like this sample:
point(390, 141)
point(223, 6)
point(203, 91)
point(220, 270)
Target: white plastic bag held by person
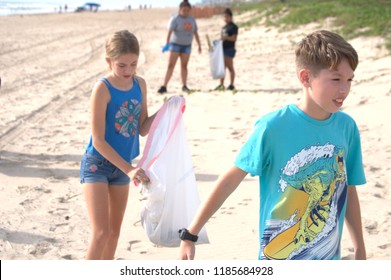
point(170, 199)
point(216, 60)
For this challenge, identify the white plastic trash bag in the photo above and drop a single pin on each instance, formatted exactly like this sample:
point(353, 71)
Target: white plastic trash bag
point(216, 60)
point(170, 199)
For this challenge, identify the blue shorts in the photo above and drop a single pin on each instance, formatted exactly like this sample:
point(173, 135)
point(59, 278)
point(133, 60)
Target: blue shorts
point(94, 169)
point(230, 52)
point(179, 48)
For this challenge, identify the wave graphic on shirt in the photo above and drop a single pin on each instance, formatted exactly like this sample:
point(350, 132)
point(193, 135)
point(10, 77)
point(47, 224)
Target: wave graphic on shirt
point(312, 231)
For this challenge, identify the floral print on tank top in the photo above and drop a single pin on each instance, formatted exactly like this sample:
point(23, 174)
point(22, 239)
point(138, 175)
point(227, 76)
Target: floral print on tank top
point(126, 119)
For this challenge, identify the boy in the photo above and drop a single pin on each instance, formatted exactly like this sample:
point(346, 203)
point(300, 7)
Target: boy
point(308, 159)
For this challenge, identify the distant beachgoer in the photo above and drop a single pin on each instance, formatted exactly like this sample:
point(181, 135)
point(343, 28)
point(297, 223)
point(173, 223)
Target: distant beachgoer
point(182, 29)
point(229, 35)
point(65, 8)
point(119, 115)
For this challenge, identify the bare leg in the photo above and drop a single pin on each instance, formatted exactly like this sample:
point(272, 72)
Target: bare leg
point(184, 62)
point(229, 64)
point(222, 81)
point(96, 195)
point(171, 66)
point(118, 198)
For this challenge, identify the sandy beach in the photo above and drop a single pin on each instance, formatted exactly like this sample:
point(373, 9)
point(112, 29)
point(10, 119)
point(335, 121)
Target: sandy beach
point(48, 65)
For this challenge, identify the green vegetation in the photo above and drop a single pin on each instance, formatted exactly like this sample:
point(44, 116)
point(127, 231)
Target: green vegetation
point(351, 18)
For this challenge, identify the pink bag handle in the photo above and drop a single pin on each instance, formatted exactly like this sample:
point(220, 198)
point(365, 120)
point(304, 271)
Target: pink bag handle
point(153, 128)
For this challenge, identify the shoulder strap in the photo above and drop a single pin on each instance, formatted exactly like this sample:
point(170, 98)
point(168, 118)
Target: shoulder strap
point(135, 80)
point(106, 82)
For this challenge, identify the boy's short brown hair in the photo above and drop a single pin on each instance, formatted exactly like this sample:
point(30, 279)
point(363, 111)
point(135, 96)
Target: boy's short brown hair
point(324, 50)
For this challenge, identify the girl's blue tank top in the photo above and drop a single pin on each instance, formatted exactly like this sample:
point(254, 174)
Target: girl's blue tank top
point(122, 121)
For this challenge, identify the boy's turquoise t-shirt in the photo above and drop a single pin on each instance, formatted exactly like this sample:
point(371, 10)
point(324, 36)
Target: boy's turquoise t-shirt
point(305, 167)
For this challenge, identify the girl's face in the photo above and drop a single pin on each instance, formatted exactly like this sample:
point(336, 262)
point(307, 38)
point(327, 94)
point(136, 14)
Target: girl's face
point(123, 67)
point(227, 18)
point(185, 11)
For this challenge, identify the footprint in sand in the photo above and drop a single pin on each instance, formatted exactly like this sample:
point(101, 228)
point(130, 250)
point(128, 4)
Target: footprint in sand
point(27, 203)
point(42, 189)
point(69, 257)
point(363, 101)
point(374, 168)
point(131, 243)
point(23, 189)
point(245, 201)
point(378, 185)
point(378, 195)
point(41, 249)
point(371, 228)
point(385, 246)
point(227, 212)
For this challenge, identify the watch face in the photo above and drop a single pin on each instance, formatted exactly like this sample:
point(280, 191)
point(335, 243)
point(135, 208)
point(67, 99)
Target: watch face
point(185, 235)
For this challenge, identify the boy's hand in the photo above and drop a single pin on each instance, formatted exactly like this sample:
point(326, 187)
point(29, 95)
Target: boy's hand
point(360, 254)
point(187, 250)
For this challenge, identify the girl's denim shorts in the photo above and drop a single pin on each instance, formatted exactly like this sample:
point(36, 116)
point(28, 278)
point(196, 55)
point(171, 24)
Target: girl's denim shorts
point(230, 52)
point(94, 169)
point(179, 48)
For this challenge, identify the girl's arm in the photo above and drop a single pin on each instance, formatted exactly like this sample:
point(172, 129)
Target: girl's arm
point(99, 99)
point(231, 38)
point(145, 121)
point(225, 185)
point(168, 36)
point(197, 37)
point(353, 223)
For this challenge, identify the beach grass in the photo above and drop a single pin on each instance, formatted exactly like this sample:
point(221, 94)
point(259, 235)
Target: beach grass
point(351, 18)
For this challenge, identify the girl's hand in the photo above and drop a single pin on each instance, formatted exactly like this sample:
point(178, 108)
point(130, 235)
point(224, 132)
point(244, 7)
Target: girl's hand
point(138, 176)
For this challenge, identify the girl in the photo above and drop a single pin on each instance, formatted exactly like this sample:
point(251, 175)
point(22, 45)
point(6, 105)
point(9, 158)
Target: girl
point(229, 35)
point(182, 28)
point(119, 115)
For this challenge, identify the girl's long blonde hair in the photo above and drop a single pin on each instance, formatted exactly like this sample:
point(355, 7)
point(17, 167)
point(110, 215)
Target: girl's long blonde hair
point(120, 43)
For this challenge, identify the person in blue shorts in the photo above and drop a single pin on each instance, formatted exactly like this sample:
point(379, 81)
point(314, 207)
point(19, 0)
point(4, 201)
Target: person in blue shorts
point(308, 159)
point(182, 29)
point(229, 35)
point(119, 115)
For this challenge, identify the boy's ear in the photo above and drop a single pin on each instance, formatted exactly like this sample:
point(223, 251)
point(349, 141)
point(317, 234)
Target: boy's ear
point(304, 77)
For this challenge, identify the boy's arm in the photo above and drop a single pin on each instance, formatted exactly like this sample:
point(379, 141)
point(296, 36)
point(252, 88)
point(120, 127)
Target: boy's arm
point(354, 225)
point(225, 185)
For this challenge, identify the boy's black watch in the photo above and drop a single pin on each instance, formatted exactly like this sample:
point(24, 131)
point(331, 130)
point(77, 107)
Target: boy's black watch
point(184, 234)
